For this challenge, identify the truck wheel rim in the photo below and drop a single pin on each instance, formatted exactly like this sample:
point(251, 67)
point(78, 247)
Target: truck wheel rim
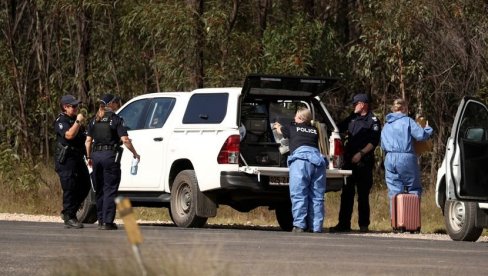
point(184, 199)
point(457, 215)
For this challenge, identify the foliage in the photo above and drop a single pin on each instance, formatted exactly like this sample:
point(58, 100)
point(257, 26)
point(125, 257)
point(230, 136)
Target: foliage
point(18, 177)
point(291, 46)
point(430, 52)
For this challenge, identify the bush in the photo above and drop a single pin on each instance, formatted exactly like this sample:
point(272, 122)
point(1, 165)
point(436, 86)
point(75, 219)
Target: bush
point(27, 185)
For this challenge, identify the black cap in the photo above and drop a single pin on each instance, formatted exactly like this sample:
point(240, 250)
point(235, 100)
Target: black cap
point(107, 98)
point(360, 98)
point(69, 99)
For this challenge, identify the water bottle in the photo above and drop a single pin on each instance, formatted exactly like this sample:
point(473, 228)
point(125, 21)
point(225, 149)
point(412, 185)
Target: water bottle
point(133, 167)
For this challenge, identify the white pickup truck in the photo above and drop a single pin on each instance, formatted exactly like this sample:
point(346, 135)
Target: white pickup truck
point(216, 146)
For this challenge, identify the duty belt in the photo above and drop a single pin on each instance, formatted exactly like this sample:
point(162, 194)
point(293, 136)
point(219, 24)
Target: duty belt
point(103, 147)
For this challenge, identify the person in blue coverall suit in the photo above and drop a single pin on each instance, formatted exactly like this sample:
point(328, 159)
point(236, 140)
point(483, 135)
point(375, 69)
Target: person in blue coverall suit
point(397, 138)
point(307, 173)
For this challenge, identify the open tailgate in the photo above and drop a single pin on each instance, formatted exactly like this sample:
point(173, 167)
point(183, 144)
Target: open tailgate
point(279, 176)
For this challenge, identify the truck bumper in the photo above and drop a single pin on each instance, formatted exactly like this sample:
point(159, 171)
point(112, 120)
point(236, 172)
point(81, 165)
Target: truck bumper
point(244, 181)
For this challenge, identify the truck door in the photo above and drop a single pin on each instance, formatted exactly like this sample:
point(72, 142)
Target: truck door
point(149, 140)
point(467, 151)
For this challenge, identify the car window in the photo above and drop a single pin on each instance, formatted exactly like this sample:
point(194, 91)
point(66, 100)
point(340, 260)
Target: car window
point(134, 114)
point(209, 108)
point(474, 124)
point(158, 112)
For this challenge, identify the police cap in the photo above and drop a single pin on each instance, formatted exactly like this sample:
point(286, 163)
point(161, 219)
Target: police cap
point(69, 99)
point(360, 98)
point(107, 98)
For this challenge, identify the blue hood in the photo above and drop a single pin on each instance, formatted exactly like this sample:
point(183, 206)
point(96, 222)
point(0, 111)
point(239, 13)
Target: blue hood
point(391, 117)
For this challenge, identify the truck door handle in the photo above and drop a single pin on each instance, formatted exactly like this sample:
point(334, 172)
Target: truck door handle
point(158, 139)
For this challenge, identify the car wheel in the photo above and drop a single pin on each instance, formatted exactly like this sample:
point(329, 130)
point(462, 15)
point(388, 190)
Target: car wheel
point(87, 213)
point(184, 200)
point(460, 218)
point(284, 217)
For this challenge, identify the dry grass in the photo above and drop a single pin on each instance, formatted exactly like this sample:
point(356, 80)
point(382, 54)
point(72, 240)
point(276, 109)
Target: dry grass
point(432, 220)
point(43, 196)
point(47, 201)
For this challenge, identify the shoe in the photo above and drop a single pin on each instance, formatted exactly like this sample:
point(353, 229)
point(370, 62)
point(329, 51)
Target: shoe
point(100, 225)
point(297, 230)
point(73, 223)
point(363, 229)
point(108, 226)
point(339, 229)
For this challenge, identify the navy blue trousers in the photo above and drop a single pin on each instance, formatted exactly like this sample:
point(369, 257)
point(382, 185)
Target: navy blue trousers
point(75, 182)
point(362, 180)
point(106, 178)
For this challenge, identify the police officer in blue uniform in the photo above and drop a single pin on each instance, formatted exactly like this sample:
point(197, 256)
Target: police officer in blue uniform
point(69, 162)
point(307, 173)
point(363, 130)
point(104, 137)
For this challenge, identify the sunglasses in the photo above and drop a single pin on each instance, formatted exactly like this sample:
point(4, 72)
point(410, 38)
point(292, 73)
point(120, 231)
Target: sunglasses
point(73, 105)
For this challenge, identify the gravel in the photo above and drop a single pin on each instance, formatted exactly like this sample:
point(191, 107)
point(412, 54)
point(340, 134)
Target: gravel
point(43, 218)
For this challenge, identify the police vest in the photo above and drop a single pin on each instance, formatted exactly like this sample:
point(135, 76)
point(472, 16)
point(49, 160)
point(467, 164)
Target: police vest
point(102, 130)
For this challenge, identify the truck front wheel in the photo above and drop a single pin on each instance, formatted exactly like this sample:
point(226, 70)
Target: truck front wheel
point(184, 201)
point(460, 218)
point(87, 213)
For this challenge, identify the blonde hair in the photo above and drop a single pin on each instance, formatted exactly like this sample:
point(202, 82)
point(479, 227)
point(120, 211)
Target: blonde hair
point(100, 112)
point(399, 105)
point(305, 115)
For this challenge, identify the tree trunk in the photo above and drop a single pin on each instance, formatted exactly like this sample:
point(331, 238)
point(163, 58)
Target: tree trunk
point(264, 6)
point(197, 74)
point(83, 29)
point(19, 67)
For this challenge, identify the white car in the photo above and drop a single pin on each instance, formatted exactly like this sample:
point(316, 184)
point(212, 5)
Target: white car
point(462, 179)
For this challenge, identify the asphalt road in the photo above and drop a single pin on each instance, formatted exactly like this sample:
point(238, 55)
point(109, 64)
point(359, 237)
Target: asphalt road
point(37, 248)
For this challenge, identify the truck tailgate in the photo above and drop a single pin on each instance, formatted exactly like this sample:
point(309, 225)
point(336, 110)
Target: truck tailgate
point(280, 171)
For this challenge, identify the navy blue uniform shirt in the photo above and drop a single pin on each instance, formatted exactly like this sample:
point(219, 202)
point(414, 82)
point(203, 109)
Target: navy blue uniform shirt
point(62, 124)
point(300, 135)
point(360, 131)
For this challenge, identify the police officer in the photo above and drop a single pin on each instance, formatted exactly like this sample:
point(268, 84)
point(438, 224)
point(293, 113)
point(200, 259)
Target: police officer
point(363, 132)
point(116, 103)
point(307, 173)
point(69, 162)
point(104, 137)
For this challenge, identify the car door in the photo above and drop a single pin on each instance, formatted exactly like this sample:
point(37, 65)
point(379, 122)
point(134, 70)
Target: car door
point(467, 151)
point(148, 137)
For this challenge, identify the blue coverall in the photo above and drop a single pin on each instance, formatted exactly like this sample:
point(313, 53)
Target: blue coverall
point(401, 167)
point(307, 187)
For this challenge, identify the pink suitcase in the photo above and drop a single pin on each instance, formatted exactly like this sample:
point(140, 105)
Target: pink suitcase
point(405, 213)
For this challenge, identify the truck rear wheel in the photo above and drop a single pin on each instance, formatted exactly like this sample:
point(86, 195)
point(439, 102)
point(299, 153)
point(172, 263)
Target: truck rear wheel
point(284, 217)
point(460, 219)
point(184, 201)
